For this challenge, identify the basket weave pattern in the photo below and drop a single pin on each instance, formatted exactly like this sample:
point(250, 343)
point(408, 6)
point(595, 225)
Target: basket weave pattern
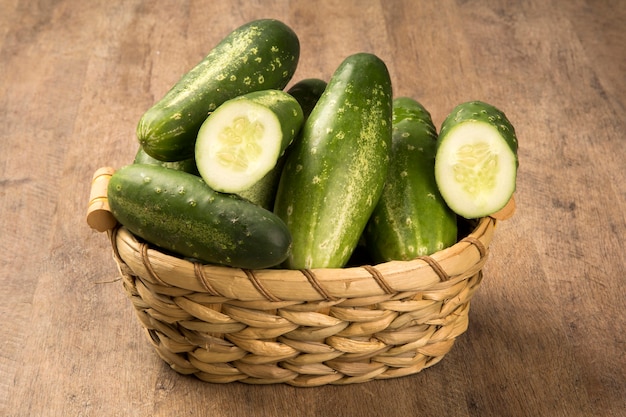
point(304, 328)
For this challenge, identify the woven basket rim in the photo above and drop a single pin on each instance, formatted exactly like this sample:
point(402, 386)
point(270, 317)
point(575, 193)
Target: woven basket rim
point(445, 267)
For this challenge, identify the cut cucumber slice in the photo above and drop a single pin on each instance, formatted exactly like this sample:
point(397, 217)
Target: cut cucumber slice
point(242, 140)
point(476, 160)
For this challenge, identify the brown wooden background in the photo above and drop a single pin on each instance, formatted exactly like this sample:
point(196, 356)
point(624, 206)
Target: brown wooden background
point(547, 333)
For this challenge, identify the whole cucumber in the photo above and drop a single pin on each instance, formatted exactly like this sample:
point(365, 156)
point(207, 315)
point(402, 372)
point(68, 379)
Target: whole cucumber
point(336, 170)
point(262, 54)
point(178, 212)
point(411, 218)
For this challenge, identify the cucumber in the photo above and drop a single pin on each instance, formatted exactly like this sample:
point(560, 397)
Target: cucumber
point(476, 162)
point(336, 170)
point(178, 212)
point(260, 55)
point(307, 91)
point(411, 218)
point(187, 165)
point(241, 141)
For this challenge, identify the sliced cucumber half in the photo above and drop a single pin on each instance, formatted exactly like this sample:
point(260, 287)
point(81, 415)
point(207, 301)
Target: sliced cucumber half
point(476, 160)
point(242, 140)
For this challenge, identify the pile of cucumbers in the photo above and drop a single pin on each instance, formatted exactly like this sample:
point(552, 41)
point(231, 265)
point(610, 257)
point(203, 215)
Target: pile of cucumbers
point(235, 169)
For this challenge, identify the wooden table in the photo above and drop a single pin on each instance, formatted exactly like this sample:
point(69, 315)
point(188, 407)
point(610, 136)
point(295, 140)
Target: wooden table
point(547, 327)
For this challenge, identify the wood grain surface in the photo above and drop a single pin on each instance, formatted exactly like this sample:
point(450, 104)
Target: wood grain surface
point(547, 333)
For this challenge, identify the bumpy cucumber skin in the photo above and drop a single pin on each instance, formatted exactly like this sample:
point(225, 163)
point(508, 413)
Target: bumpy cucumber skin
point(178, 212)
point(477, 112)
point(259, 55)
point(187, 165)
point(411, 218)
point(336, 170)
point(308, 91)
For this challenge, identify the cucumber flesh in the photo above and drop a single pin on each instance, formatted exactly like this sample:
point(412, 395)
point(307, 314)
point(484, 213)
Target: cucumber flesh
point(242, 140)
point(476, 161)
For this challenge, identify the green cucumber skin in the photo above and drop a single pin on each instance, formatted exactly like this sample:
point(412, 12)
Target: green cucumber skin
point(186, 165)
point(259, 55)
point(336, 169)
point(178, 212)
point(307, 92)
point(481, 112)
point(411, 218)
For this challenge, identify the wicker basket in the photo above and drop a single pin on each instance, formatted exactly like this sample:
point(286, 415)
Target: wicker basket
point(304, 328)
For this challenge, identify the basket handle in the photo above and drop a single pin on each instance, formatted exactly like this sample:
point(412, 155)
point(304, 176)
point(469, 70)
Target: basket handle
point(99, 216)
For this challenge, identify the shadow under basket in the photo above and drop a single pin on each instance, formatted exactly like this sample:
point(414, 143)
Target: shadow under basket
point(300, 327)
